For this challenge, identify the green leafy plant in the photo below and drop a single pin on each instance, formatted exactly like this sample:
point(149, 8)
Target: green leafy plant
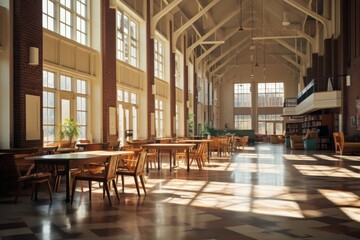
point(70, 129)
point(191, 124)
point(208, 130)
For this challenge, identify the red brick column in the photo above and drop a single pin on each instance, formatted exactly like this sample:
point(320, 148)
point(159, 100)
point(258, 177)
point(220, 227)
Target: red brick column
point(108, 35)
point(27, 79)
point(172, 84)
point(149, 71)
point(186, 91)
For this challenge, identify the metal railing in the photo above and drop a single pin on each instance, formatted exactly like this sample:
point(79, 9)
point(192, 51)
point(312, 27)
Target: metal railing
point(323, 84)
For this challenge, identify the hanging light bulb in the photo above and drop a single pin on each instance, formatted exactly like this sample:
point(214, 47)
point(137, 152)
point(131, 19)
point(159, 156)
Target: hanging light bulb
point(252, 71)
point(240, 17)
point(256, 59)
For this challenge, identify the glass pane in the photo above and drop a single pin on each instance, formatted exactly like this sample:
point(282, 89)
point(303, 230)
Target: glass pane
point(65, 109)
point(51, 116)
point(270, 128)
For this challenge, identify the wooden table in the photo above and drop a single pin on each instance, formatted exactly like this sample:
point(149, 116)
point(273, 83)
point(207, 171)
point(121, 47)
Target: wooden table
point(72, 160)
point(85, 146)
point(137, 143)
point(170, 147)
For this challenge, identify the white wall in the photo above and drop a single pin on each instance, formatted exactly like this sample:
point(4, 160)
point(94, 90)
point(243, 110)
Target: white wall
point(274, 73)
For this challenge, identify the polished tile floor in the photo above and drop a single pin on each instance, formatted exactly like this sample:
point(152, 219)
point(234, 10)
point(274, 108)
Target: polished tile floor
point(262, 192)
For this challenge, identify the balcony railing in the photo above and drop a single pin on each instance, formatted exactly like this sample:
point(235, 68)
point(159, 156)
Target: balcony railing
point(290, 102)
point(316, 85)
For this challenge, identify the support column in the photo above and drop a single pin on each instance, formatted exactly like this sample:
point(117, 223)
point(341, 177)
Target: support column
point(186, 92)
point(27, 79)
point(172, 86)
point(150, 74)
point(195, 100)
point(108, 36)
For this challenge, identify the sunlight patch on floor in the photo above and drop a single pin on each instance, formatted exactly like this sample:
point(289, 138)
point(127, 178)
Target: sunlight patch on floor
point(318, 170)
point(351, 212)
point(341, 198)
point(293, 157)
point(269, 200)
point(326, 157)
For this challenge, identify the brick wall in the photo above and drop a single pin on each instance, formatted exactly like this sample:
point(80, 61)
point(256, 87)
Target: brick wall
point(108, 26)
point(352, 61)
point(27, 32)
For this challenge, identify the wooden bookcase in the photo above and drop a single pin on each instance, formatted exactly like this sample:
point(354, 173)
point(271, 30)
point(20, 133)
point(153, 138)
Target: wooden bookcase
point(323, 124)
point(293, 128)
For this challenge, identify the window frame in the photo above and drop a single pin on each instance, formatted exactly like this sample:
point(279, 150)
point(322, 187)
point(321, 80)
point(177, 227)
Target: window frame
point(159, 117)
point(159, 58)
point(240, 122)
point(241, 93)
point(270, 94)
point(72, 95)
point(126, 39)
point(77, 24)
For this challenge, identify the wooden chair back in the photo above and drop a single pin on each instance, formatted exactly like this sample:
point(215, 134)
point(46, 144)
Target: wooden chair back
point(66, 144)
point(139, 168)
point(84, 141)
point(111, 167)
point(114, 145)
point(94, 147)
point(339, 141)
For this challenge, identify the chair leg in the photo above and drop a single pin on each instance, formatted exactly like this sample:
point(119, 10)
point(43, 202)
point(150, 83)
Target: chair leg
point(17, 192)
point(89, 190)
point(73, 190)
point(49, 188)
point(55, 187)
point(115, 188)
point(122, 183)
point(106, 186)
point(137, 185)
point(34, 195)
point(143, 182)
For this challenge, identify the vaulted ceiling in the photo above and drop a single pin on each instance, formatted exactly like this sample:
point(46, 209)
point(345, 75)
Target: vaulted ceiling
point(235, 32)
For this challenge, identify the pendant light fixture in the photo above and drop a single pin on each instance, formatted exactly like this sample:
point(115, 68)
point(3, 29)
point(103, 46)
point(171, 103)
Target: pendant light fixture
point(252, 46)
point(240, 17)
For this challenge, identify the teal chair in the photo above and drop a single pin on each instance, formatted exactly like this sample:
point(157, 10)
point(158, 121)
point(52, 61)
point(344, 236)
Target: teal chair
point(310, 144)
point(287, 142)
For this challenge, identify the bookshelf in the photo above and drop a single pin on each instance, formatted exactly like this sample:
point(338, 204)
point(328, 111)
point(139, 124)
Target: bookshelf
point(293, 128)
point(323, 125)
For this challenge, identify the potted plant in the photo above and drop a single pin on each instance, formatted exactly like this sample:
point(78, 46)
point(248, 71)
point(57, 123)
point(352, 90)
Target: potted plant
point(191, 125)
point(208, 130)
point(69, 129)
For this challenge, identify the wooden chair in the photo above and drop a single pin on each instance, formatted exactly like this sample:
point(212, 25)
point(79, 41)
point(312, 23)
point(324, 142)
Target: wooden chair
point(214, 146)
point(59, 171)
point(137, 171)
point(198, 155)
point(105, 178)
point(296, 142)
point(35, 178)
point(338, 142)
point(152, 157)
point(84, 141)
point(224, 145)
point(244, 141)
point(114, 145)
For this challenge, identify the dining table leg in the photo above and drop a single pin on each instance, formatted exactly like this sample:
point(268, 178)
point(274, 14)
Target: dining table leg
point(170, 159)
point(188, 159)
point(158, 157)
point(67, 178)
